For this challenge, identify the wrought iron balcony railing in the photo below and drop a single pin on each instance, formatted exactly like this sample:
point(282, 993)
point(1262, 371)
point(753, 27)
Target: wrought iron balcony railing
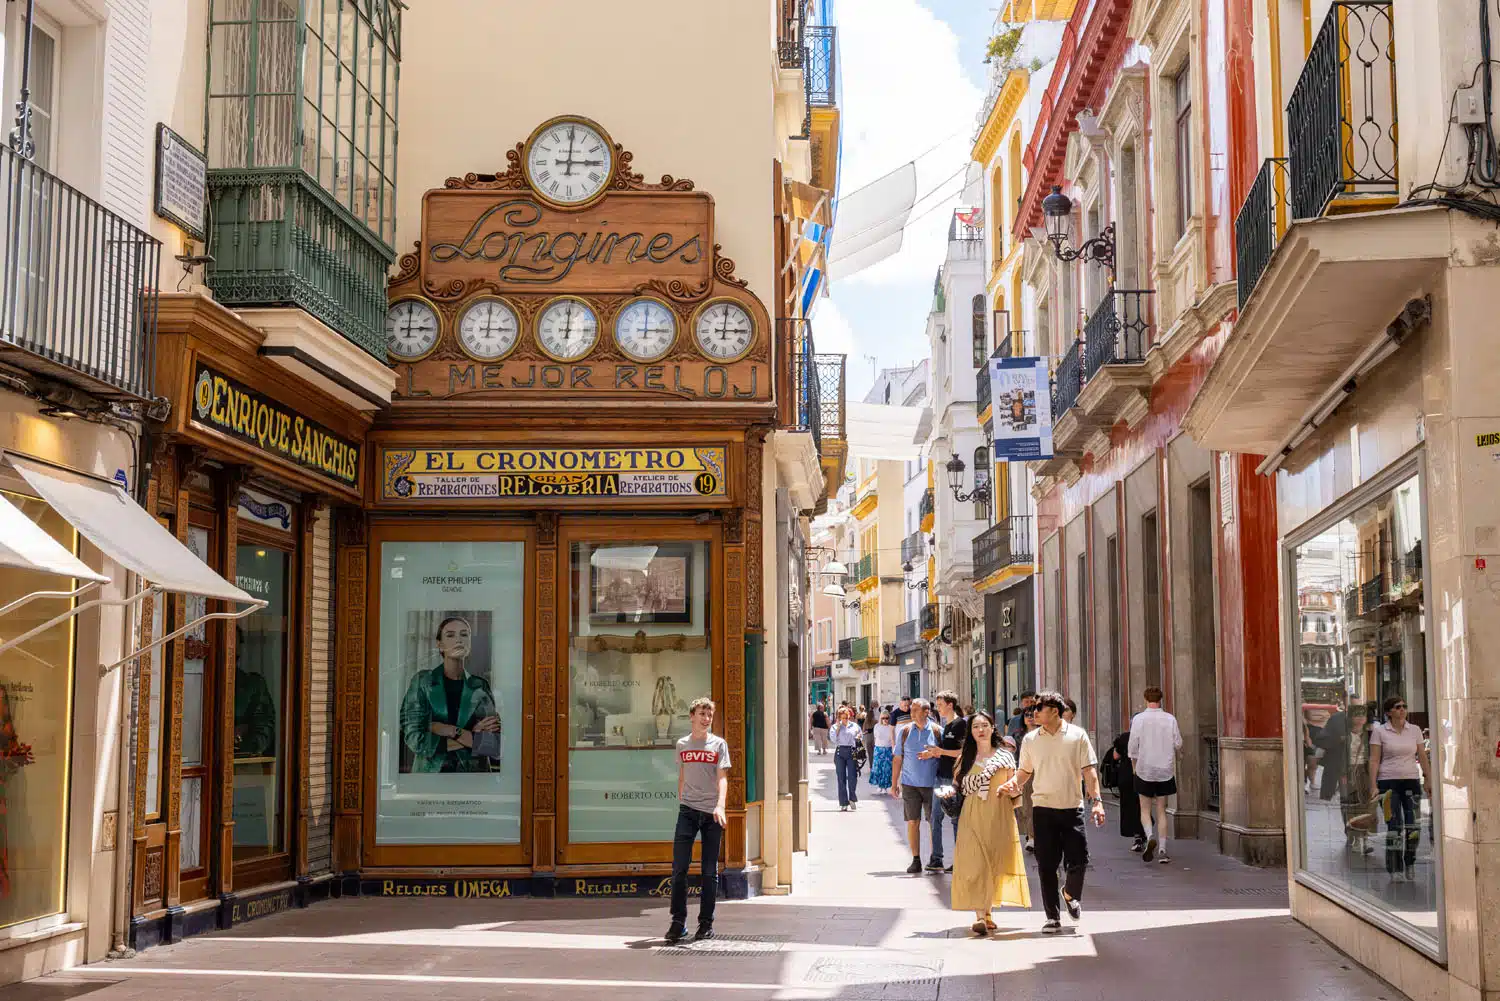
point(911, 547)
point(1341, 118)
point(930, 619)
point(1259, 227)
point(906, 635)
point(822, 66)
point(983, 390)
point(791, 42)
point(926, 505)
point(859, 648)
point(1411, 564)
point(279, 239)
point(806, 389)
point(1371, 594)
point(1067, 379)
point(865, 568)
point(78, 286)
point(831, 394)
point(1118, 331)
point(846, 649)
point(1005, 543)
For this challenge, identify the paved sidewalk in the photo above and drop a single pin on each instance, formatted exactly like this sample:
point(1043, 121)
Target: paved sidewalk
point(1200, 929)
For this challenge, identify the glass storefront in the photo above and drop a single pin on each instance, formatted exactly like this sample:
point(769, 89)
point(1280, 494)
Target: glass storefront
point(452, 693)
point(36, 685)
point(1363, 709)
point(260, 700)
point(639, 652)
point(193, 848)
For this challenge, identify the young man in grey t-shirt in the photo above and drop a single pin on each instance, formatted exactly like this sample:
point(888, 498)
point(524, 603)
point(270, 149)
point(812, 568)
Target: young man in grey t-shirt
point(702, 788)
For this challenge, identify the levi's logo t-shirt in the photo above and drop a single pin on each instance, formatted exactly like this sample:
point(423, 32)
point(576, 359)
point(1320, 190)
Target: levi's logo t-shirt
point(701, 762)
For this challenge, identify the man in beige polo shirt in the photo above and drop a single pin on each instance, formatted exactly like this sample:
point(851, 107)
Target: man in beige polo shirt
point(1055, 756)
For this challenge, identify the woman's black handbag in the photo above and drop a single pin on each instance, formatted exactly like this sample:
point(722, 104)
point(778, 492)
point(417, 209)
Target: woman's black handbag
point(859, 755)
point(952, 799)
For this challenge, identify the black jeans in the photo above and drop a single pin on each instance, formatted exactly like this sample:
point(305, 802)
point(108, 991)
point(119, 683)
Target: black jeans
point(1404, 829)
point(1060, 840)
point(690, 823)
point(848, 774)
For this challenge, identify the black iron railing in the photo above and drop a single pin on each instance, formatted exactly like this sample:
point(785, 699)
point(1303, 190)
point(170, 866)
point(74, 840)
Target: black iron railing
point(1067, 379)
point(1371, 594)
point(1118, 331)
point(806, 387)
point(929, 618)
point(831, 394)
point(1411, 564)
point(1211, 772)
point(78, 286)
point(822, 66)
point(906, 635)
point(1341, 118)
point(846, 648)
point(1006, 343)
point(1260, 225)
point(911, 547)
point(1005, 543)
point(983, 390)
point(791, 42)
point(926, 505)
point(1351, 602)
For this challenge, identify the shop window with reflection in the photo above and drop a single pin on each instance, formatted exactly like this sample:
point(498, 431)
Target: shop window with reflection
point(260, 701)
point(640, 650)
point(1363, 709)
point(36, 684)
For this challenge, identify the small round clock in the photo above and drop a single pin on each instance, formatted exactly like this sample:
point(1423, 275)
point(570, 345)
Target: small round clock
point(567, 329)
point(724, 330)
point(411, 329)
point(569, 161)
point(645, 329)
point(488, 329)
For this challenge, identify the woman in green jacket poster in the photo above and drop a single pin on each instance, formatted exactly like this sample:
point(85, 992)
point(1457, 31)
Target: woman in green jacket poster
point(449, 718)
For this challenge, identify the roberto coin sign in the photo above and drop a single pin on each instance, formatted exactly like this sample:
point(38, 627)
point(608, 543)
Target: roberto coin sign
point(549, 473)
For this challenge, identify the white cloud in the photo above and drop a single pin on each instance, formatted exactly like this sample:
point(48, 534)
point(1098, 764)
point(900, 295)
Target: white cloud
point(904, 92)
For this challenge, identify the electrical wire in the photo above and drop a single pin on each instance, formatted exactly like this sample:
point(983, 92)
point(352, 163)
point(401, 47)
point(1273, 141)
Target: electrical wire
point(921, 198)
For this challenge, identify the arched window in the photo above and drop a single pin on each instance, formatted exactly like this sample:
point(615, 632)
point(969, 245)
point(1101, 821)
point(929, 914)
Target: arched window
point(982, 478)
point(981, 339)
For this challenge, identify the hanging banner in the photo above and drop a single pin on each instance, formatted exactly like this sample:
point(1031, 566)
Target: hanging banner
point(1021, 402)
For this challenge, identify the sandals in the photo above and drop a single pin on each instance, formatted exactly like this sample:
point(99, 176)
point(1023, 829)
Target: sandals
point(980, 928)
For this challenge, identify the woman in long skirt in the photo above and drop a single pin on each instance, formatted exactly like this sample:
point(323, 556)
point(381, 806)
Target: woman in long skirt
point(988, 867)
point(885, 743)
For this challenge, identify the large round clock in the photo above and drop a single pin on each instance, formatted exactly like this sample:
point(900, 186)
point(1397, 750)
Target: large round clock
point(411, 329)
point(724, 330)
point(645, 329)
point(567, 329)
point(488, 328)
point(569, 161)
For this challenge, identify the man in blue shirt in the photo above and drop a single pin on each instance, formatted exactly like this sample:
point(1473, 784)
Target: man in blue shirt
point(914, 777)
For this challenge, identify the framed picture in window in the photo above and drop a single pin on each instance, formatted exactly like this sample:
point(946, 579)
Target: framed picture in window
point(641, 584)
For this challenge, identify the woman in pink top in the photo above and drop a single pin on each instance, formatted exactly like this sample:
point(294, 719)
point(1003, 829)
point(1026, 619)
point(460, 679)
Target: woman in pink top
point(1399, 769)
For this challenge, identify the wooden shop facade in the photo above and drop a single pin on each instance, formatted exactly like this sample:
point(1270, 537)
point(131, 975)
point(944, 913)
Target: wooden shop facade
point(550, 546)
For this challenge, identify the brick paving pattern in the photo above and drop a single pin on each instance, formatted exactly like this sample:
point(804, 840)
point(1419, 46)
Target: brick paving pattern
point(1203, 928)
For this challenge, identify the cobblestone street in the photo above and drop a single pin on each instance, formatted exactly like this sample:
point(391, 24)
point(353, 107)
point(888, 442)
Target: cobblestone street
point(1201, 929)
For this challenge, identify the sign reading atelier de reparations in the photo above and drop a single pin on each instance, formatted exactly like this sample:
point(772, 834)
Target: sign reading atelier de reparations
point(528, 473)
point(1021, 406)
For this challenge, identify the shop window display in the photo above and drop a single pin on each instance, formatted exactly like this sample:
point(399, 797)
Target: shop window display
point(639, 651)
point(1363, 711)
point(36, 684)
point(260, 673)
point(451, 693)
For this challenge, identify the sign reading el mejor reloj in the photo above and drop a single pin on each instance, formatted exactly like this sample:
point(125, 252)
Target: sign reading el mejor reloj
point(232, 408)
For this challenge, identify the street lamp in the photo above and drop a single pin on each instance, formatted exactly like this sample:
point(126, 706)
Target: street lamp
point(836, 590)
point(981, 492)
point(907, 569)
point(1058, 210)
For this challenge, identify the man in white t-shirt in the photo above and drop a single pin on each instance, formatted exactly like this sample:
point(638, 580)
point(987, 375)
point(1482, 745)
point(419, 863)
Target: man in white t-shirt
point(702, 789)
point(1155, 740)
point(1055, 756)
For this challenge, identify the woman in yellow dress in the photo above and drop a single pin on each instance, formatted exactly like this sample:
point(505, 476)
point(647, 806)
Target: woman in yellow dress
point(988, 868)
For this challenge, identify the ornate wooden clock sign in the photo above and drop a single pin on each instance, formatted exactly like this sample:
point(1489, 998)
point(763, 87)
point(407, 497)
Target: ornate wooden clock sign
point(568, 274)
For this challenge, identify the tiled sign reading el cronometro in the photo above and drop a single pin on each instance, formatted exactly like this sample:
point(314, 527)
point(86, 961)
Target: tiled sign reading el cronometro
point(523, 473)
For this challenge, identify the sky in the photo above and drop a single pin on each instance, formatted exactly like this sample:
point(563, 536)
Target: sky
point(912, 79)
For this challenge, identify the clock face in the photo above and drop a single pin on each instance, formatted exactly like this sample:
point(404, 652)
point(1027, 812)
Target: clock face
point(566, 329)
point(645, 329)
point(411, 329)
point(488, 329)
point(569, 162)
point(724, 330)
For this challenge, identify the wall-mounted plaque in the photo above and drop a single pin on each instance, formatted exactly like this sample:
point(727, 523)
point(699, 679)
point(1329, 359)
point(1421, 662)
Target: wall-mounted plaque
point(181, 195)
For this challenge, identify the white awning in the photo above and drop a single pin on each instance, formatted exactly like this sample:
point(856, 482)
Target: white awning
point(24, 545)
point(880, 431)
point(124, 532)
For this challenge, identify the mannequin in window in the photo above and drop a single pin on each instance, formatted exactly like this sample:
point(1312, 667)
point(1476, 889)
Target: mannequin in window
point(13, 756)
point(449, 718)
point(254, 710)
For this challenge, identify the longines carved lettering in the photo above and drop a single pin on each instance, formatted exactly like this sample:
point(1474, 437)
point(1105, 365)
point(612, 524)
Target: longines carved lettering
point(714, 382)
point(497, 236)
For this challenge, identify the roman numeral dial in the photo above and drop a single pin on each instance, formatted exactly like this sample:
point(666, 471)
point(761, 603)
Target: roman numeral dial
point(569, 161)
point(724, 330)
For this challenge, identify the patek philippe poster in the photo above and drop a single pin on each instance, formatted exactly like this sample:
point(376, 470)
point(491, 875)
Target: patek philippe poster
point(451, 689)
point(1021, 405)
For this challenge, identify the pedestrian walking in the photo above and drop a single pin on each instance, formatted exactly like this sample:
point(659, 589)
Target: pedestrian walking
point(1118, 756)
point(955, 730)
point(1357, 790)
point(1400, 771)
point(818, 723)
point(868, 722)
point(1155, 740)
point(846, 736)
point(902, 712)
point(913, 778)
point(1070, 710)
point(1023, 810)
point(885, 740)
point(989, 869)
point(1056, 755)
point(1016, 725)
point(702, 787)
